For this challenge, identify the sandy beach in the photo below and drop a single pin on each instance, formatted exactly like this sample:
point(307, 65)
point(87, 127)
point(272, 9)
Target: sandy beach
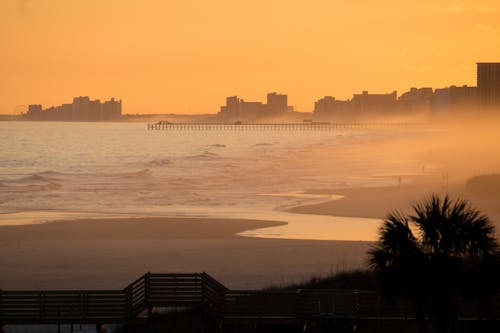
point(377, 202)
point(371, 202)
point(110, 253)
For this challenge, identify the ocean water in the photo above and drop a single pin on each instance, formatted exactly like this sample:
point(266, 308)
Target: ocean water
point(59, 170)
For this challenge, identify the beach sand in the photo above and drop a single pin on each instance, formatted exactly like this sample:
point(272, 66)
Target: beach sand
point(111, 253)
point(377, 202)
point(371, 202)
point(99, 254)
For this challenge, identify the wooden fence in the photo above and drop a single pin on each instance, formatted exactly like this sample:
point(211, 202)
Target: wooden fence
point(199, 290)
point(109, 306)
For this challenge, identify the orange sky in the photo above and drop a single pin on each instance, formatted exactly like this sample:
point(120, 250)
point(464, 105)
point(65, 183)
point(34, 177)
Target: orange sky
point(163, 56)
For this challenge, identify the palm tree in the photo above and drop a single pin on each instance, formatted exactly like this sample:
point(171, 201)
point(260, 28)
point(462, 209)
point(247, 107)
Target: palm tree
point(443, 250)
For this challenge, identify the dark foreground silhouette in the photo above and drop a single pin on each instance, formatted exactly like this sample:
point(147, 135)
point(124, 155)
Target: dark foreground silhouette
point(443, 254)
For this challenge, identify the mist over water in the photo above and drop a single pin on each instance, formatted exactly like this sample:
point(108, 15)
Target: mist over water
point(105, 169)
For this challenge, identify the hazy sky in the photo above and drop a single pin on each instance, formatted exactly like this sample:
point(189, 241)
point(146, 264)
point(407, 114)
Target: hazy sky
point(186, 56)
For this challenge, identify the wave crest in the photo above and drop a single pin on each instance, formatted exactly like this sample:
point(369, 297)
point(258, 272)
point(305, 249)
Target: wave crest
point(160, 162)
point(205, 155)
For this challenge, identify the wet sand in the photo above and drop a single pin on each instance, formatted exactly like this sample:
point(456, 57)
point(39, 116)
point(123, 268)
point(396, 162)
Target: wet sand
point(111, 253)
point(372, 202)
point(377, 202)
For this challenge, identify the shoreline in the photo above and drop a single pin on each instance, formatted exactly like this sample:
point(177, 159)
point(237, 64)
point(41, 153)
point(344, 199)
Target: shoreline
point(377, 202)
point(284, 225)
point(108, 252)
point(124, 228)
point(370, 202)
point(101, 254)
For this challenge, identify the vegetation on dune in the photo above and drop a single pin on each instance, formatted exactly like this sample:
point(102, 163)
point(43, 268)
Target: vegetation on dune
point(484, 185)
point(446, 250)
point(355, 279)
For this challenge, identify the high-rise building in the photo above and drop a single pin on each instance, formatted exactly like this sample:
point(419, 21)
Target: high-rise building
point(366, 102)
point(82, 109)
point(34, 111)
point(277, 103)
point(238, 109)
point(329, 108)
point(417, 99)
point(488, 84)
point(111, 109)
point(454, 99)
point(94, 112)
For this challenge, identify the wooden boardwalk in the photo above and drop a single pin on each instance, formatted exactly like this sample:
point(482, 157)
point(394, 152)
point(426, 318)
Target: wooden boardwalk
point(109, 306)
point(201, 291)
point(306, 126)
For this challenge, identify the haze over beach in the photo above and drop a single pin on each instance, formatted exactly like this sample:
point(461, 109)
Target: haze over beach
point(263, 143)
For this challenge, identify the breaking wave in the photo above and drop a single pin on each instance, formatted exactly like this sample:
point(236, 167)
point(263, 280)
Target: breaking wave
point(37, 178)
point(160, 162)
point(205, 155)
point(138, 174)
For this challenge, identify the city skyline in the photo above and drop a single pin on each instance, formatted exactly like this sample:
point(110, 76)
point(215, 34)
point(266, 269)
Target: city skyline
point(450, 100)
point(81, 109)
point(184, 57)
point(292, 105)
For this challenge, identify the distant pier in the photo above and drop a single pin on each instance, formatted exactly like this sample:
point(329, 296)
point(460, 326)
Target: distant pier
point(306, 126)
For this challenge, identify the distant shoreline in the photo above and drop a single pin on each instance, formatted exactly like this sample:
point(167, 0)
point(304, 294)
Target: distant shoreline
point(377, 202)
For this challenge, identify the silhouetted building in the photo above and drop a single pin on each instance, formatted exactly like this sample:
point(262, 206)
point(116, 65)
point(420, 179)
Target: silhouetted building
point(454, 99)
point(66, 111)
point(374, 103)
point(251, 110)
point(416, 99)
point(238, 109)
point(488, 84)
point(233, 104)
point(94, 112)
point(231, 109)
point(35, 111)
point(277, 103)
point(82, 109)
point(111, 109)
point(332, 109)
point(365, 105)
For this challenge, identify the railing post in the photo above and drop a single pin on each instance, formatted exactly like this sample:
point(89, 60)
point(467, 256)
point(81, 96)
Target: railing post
point(128, 302)
point(40, 306)
point(1, 309)
point(356, 310)
point(203, 281)
point(355, 294)
point(85, 304)
point(3, 326)
point(298, 304)
point(147, 287)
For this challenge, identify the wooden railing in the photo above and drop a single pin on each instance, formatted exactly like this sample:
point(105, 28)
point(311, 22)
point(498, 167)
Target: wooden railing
point(136, 296)
point(89, 306)
point(201, 290)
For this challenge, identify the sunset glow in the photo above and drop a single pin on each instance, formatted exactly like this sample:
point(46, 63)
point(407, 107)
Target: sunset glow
point(187, 56)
